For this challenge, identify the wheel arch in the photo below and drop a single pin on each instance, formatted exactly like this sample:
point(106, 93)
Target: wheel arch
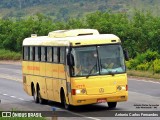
point(61, 94)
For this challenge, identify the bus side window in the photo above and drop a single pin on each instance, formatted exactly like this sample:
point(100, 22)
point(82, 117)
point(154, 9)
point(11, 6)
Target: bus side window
point(49, 54)
point(37, 53)
point(58, 54)
point(31, 54)
point(25, 53)
point(43, 54)
point(52, 54)
point(62, 54)
point(55, 54)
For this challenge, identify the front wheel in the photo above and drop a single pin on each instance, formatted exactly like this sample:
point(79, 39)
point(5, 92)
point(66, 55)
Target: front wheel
point(112, 104)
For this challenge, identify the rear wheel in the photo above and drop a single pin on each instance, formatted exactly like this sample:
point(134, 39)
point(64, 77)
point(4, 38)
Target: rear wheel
point(35, 97)
point(41, 100)
point(112, 104)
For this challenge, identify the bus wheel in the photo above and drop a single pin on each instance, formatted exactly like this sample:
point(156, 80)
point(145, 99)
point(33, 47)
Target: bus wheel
point(35, 97)
point(63, 101)
point(41, 100)
point(112, 104)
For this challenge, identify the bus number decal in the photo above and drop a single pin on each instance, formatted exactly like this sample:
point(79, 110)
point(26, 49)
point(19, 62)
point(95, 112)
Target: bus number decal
point(80, 86)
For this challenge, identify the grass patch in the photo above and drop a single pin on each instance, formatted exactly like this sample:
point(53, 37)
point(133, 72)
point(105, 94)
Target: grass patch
point(9, 55)
point(147, 74)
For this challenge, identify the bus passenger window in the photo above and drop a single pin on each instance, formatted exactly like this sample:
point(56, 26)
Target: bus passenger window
point(62, 53)
point(43, 54)
point(49, 54)
point(37, 55)
point(31, 53)
point(25, 53)
point(55, 55)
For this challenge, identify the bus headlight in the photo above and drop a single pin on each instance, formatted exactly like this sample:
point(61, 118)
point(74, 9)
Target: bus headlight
point(82, 91)
point(123, 88)
point(119, 88)
point(78, 91)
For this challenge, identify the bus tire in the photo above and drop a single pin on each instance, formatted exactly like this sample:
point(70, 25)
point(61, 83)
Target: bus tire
point(112, 104)
point(35, 97)
point(63, 101)
point(41, 100)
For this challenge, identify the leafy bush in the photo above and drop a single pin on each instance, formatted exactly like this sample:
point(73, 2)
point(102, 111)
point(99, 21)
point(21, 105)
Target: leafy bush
point(156, 64)
point(9, 55)
point(132, 64)
point(148, 61)
point(151, 55)
point(143, 66)
point(128, 64)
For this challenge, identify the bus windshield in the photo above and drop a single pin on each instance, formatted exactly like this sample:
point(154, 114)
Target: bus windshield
point(98, 60)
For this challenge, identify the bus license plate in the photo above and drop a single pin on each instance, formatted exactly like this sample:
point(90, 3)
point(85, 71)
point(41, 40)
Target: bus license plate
point(101, 100)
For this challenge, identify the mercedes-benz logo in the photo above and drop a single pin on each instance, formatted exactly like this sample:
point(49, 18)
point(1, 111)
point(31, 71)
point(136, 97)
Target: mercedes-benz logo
point(101, 90)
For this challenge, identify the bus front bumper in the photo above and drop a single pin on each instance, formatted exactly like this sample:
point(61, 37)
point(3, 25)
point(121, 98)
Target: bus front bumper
point(91, 99)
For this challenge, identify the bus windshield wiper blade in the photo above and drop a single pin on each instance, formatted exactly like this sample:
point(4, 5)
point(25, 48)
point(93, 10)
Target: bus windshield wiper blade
point(111, 73)
point(91, 70)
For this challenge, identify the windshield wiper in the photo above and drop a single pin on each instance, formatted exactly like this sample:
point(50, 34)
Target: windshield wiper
point(111, 73)
point(91, 70)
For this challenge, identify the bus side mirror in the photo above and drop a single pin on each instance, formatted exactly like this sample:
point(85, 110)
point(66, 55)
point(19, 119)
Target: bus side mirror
point(126, 55)
point(70, 60)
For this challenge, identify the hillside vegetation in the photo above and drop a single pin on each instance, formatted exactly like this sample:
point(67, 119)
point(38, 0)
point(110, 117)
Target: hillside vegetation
point(138, 29)
point(138, 35)
point(65, 9)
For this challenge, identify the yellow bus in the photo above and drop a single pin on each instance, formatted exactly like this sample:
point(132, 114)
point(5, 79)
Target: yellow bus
point(75, 67)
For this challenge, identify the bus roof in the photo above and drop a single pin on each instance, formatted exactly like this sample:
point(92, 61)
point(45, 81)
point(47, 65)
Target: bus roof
point(85, 39)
